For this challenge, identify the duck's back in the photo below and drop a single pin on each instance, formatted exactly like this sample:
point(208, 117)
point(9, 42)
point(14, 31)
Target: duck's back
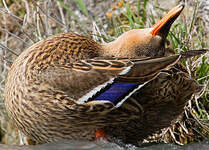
point(32, 102)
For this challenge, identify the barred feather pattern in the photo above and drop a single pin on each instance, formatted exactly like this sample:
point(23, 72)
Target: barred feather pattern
point(47, 80)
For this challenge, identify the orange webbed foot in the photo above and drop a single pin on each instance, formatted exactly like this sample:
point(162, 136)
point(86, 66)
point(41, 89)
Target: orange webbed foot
point(100, 134)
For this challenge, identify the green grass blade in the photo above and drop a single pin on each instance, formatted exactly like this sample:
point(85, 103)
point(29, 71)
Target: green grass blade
point(82, 6)
point(67, 8)
point(138, 7)
point(144, 11)
point(193, 17)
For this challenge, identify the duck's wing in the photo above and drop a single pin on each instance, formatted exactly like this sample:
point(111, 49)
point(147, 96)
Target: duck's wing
point(98, 81)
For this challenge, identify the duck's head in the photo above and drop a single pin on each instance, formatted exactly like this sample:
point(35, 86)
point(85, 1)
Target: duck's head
point(148, 42)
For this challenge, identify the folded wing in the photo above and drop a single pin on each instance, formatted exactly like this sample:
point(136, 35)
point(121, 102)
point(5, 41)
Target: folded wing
point(112, 81)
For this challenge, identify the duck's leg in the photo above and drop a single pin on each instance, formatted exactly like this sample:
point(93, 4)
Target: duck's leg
point(25, 140)
point(30, 141)
point(100, 134)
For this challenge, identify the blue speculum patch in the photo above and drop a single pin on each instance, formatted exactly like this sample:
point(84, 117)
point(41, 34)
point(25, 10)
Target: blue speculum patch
point(115, 92)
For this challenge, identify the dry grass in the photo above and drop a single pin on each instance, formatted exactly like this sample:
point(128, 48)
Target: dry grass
point(25, 22)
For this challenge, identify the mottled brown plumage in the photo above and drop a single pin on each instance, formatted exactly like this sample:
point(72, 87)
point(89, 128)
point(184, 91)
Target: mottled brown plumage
point(49, 87)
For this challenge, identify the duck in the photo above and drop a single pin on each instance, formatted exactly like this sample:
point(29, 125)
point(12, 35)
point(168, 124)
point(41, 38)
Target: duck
point(68, 86)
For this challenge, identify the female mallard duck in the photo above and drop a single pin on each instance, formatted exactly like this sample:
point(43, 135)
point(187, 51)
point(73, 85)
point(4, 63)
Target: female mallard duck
point(70, 87)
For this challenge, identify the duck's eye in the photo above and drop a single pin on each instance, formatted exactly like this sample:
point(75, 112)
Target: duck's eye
point(167, 43)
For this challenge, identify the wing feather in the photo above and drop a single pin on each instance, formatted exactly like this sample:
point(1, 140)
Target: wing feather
point(95, 79)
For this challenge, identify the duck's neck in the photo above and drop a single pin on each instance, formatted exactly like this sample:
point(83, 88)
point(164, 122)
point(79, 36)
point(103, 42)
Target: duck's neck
point(111, 49)
point(117, 48)
point(127, 44)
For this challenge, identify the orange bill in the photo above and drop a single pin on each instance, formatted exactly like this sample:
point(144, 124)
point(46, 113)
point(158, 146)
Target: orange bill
point(162, 27)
